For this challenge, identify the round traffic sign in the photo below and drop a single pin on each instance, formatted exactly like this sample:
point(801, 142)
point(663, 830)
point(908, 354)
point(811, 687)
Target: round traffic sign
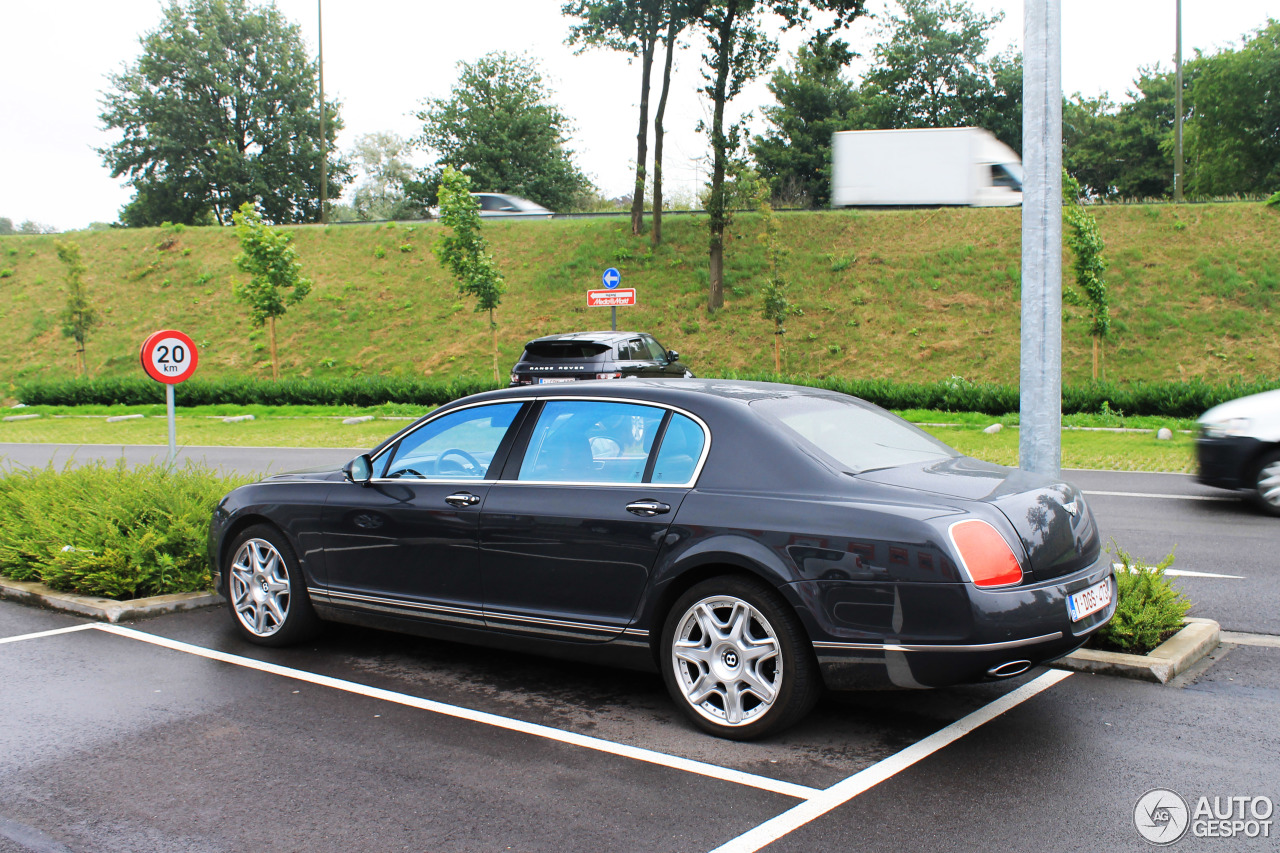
point(169, 356)
point(611, 278)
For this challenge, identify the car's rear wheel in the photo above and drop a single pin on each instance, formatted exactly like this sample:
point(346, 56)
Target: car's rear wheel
point(1266, 489)
point(736, 659)
point(266, 590)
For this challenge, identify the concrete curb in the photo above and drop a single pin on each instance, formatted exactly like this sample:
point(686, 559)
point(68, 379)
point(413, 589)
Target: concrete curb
point(104, 609)
point(1165, 662)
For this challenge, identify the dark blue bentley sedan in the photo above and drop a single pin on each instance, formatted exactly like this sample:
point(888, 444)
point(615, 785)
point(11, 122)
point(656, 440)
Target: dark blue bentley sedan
point(753, 542)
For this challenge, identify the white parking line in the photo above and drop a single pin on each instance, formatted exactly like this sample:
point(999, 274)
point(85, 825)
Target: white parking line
point(40, 634)
point(815, 802)
point(845, 790)
point(1160, 496)
point(800, 792)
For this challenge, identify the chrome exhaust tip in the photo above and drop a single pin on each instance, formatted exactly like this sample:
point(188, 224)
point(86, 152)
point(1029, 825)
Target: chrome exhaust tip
point(1009, 669)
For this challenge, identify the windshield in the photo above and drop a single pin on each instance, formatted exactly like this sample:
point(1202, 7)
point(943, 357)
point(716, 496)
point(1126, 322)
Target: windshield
point(854, 434)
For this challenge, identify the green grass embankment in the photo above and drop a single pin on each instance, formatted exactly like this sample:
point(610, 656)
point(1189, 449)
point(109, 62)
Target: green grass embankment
point(915, 295)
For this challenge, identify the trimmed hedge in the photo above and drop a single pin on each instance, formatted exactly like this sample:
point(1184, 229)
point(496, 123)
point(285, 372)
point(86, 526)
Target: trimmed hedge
point(1160, 399)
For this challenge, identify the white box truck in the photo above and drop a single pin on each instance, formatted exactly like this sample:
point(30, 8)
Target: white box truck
point(927, 166)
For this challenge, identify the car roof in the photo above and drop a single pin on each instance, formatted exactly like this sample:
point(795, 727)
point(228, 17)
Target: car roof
point(604, 337)
point(675, 392)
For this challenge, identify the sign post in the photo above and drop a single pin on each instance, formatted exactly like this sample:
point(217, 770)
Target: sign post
point(170, 357)
point(611, 279)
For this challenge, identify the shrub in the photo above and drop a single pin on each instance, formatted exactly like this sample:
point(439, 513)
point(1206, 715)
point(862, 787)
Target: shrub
point(109, 531)
point(1149, 609)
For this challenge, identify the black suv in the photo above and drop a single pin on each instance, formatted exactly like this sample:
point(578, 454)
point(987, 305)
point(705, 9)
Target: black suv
point(595, 355)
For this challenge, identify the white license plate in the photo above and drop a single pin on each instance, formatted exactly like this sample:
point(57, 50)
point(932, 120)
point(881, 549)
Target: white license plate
point(547, 380)
point(1090, 600)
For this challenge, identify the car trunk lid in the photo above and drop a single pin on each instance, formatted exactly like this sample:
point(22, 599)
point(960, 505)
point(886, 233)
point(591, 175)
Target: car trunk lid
point(1051, 517)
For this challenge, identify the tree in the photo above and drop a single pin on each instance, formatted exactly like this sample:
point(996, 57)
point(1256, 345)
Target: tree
point(499, 128)
point(929, 71)
point(220, 109)
point(737, 51)
point(814, 100)
point(1234, 142)
point(276, 280)
point(633, 27)
point(79, 316)
point(775, 306)
point(6, 226)
point(1085, 242)
point(465, 251)
point(383, 158)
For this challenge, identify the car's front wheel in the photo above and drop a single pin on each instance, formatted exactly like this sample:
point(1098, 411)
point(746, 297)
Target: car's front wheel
point(266, 589)
point(1266, 490)
point(736, 659)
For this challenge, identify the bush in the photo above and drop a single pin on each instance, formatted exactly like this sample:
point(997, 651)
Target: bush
point(1148, 608)
point(957, 394)
point(109, 531)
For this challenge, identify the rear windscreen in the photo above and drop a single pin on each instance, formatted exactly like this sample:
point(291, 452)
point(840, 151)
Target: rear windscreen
point(564, 351)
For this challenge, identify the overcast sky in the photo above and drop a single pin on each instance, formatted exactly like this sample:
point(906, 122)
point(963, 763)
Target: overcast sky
point(383, 57)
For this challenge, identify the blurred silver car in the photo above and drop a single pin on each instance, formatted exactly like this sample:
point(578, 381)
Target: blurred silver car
point(502, 206)
point(1239, 447)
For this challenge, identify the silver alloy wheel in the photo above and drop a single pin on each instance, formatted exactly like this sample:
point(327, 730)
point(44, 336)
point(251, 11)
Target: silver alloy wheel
point(260, 589)
point(727, 660)
point(1269, 483)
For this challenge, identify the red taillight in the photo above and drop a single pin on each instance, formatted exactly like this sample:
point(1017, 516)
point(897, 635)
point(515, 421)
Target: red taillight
point(985, 554)
point(608, 376)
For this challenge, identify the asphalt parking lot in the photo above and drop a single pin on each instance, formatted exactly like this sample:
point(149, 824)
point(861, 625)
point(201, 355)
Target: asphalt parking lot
point(171, 734)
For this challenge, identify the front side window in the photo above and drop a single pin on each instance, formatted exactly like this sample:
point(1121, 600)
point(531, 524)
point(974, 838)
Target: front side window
point(656, 352)
point(457, 446)
point(588, 441)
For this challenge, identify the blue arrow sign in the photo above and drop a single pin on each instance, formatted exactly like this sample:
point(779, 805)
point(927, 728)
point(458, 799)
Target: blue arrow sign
point(611, 278)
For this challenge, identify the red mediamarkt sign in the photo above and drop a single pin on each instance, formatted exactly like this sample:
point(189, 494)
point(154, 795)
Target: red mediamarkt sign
point(609, 298)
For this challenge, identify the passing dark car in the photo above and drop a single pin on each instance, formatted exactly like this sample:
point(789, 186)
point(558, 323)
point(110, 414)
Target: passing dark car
point(595, 355)
point(1239, 448)
point(753, 542)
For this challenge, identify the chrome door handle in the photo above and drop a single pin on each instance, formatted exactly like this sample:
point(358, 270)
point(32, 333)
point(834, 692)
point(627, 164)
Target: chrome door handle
point(648, 508)
point(461, 499)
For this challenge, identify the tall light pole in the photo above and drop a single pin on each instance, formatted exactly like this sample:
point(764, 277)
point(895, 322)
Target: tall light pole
point(324, 137)
point(1040, 436)
point(1177, 109)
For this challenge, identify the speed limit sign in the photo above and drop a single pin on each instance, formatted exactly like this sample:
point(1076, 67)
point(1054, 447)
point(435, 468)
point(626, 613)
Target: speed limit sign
point(169, 357)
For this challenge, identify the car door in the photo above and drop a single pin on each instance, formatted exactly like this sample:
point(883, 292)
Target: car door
point(407, 542)
point(569, 536)
point(664, 364)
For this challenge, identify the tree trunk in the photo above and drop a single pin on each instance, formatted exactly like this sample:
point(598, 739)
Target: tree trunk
point(1095, 358)
point(642, 135)
point(777, 352)
point(493, 327)
point(656, 236)
point(718, 217)
point(271, 333)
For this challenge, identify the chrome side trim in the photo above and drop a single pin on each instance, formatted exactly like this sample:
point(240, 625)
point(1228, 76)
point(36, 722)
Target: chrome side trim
point(444, 610)
point(636, 632)
point(980, 647)
point(594, 627)
point(441, 609)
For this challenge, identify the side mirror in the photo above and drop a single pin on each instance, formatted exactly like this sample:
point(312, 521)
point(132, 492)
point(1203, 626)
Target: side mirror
point(673, 355)
point(359, 470)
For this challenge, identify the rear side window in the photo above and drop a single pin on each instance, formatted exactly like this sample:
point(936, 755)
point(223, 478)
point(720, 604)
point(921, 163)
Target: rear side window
point(564, 351)
point(585, 441)
point(679, 453)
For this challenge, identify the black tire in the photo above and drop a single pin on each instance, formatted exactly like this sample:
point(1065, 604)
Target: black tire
point(736, 660)
point(266, 591)
point(1266, 483)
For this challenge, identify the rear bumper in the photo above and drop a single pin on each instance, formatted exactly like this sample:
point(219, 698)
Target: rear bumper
point(944, 634)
